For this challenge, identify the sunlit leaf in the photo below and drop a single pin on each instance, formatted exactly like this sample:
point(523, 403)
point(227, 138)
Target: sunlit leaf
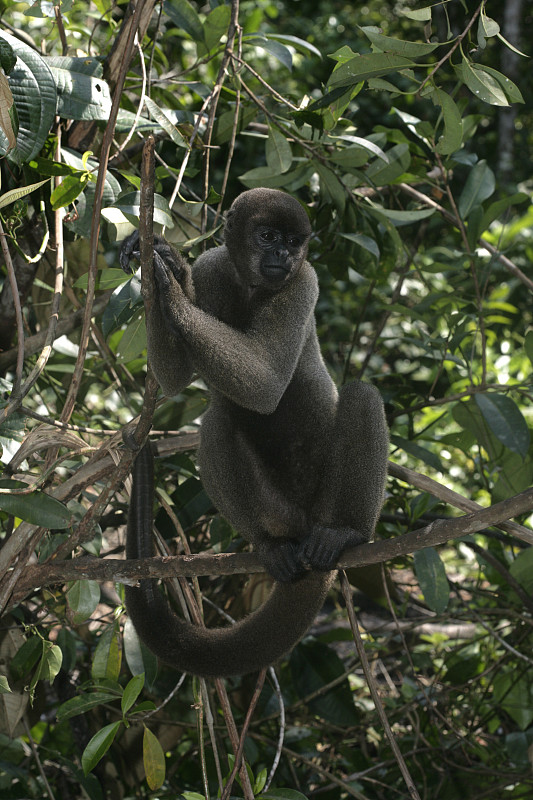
point(479, 185)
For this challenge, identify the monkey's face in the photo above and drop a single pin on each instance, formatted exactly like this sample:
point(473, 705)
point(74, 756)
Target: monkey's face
point(278, 254)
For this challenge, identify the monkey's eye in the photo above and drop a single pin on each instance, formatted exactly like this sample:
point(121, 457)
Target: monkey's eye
point(267, 235)
point(294, 241)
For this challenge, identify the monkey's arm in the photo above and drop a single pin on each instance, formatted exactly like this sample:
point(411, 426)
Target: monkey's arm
point(252, 367)
point(169, 356)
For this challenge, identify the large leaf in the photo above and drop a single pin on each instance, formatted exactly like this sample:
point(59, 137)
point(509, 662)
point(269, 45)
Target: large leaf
point(186, 17)
point(81, 95)
point(479, 185)
point(98, 746)
point(313, 665)
point(34, 91)
point(481, 83)
point(388, 44)
point(153, 760)
point(37, 508)
point(370, 65)
point(505, 421)
point(432, 578)
point(278, 151)
point(452, 138)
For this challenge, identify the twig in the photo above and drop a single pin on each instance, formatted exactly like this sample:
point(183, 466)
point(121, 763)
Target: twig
point(16, 394)
point(347, 592)
point(244, 731)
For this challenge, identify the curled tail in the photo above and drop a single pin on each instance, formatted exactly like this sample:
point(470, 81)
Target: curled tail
point(254, 642)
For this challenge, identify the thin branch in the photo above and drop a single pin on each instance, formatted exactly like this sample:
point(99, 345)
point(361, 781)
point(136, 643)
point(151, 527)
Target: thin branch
point(16, 394)
point(347, 593)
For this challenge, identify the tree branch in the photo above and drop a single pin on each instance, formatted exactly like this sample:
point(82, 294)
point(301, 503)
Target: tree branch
point(438, 532)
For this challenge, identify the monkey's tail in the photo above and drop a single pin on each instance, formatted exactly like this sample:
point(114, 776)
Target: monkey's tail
point(254, 642)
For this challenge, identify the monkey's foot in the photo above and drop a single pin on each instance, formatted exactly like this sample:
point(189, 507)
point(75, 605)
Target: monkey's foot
point(280, 558)
point(323, 546)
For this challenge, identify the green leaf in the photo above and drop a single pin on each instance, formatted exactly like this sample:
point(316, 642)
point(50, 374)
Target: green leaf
point(528, 345)
point(216, 26)
point(122, 305)
point(282, 794)
point(419, 452)
point(505, 420)
point(4, 685)
point(79, 94)
point(401, 217)
point(388, 44)
point(35, 95)
point(138, 657)
point(68, 190)
point(165, 122)
point(105, 279)
point(468, 415)
point(108, 656)
point(363, 241)
point(276, 49)
point(515, 695)
point(133, 341)
point(496, 209)
point(399, 159)
point(481, 83)
point(452, 138)
point(331, 188)
point(313, 665)
point(37, 508)
point(15, 194)
point(129, 205)
point(49, 665)
point(83, 597)
point(511, 90)
point(431, 576)
point(26, 657)
point(296, 42)
point(85, 202)
point(522, 569)
point(132, 691)
point(98, 746)
point(278, 151)
point(8, 59)
point(153, 760)
point(370, 65)
point(479, 185)
point(83, 703)
point(419, 15)
point(186, 17)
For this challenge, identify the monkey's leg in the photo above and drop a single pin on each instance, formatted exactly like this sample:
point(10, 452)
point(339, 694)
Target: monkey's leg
point(351, 492)
point(239, 485)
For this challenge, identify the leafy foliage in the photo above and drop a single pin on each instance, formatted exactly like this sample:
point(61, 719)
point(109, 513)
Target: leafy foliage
point(383, 120)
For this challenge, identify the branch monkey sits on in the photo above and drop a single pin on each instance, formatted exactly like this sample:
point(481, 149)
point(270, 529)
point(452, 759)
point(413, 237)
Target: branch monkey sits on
point(297, 467)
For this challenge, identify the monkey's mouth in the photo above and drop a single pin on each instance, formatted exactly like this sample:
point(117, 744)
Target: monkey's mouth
point(273, 272)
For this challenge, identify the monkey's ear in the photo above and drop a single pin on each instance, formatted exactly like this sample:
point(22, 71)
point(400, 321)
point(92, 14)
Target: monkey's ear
point(229, 221)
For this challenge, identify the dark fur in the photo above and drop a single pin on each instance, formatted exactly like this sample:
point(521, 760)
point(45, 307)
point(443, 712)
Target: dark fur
point(298, 468)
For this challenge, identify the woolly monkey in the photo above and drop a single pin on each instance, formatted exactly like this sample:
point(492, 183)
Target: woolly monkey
point(297, 467)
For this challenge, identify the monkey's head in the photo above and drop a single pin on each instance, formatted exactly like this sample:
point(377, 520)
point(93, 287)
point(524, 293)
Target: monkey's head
point(267, 233)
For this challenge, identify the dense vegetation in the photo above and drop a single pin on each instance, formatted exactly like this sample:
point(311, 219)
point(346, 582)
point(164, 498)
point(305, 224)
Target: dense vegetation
point(404, 131)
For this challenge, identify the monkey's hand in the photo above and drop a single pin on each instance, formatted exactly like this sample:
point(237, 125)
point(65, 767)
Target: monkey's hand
point(323, 547)
point(163, 252)
point(280, 558)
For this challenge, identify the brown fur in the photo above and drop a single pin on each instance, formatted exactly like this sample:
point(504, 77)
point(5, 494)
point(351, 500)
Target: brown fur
point(296, 467)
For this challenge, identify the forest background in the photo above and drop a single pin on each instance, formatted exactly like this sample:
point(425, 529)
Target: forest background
point(403, 128)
